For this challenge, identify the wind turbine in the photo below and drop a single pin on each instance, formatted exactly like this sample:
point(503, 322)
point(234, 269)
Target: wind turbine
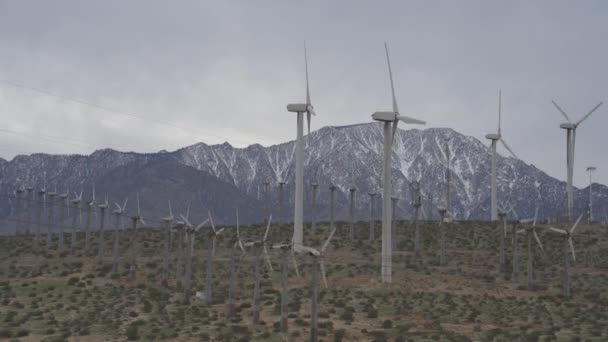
point(280, 218)
point(313, 224)
point(237, 243)
point(300, 109)
point(28, 204)
point(266, 198)
point(317, 263)
point(41, 204)
point(530, 232)
point(118, 212)
point(19, 191)
point(416, 202)
point(332, 199)
point(168, 221)
point(102, 219)
point(285, 248)
point(212, 236)
point(503, 232)
point(570, 128)
point(494, 138)
point(50, 223)
point(351, 214)
point(567, 245)
point(591, 169)
point(75, 216)
point(443, 220)
point(134, 241)
point(179, 262)
point(87, 237)
point(257, 272)
point(390, 120)
point(190, 237)
point(372, 206)
point(64, 206)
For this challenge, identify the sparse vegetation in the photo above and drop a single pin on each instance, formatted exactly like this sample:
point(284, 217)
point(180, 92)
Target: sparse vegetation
point(52, 299)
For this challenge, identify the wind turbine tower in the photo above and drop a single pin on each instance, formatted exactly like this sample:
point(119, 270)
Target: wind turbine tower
point(351, 214)
point(591, 169)
point(570, 128)
point(315, 188)
point(494, 138)
point(300, 109)
point(390, 120)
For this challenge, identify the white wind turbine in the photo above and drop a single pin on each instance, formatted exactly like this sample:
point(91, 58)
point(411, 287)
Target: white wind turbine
point(102, 218)
point(568, 246)
point(530, 233)
point(65, 205)
point(118, 212)
point(390, 120)
point(285, 248)
point(87, 236)
point(570, 128)
point(591, 169)
point(300, 109)
point(75, 216)
point(417, 204)
point(41, 204)
point(211, 240)
point(317, 262)
point(134, 241)
point(351, 213)
point(257, 272)
point(237, 244)
point(494, 138)
point(168, 221)
point(50, 222)
point(19, 192)
point(190, 231)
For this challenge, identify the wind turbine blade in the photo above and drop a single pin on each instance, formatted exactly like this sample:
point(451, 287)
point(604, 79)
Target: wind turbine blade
point(499, 109)
point(211, 219)
point(322, 264)
point(390, 75)
point(410, 120)
point(201, 224)
point(331, 235)
point(295, 262)
point(188, 210)
point(306, 64)
point(508, 148)
point(93, 191)
point(535, 217)
point(561, 111)
point(170, 209)
point(557, 230)
point(124, 205)
point(267, 228)
point(576, 224)
point(138, 208)
point(572, 248)
point(538, 240)
point(267, 258)
point(588, 114)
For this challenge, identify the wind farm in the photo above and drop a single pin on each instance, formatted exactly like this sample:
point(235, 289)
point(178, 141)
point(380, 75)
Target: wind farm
point(122, 225)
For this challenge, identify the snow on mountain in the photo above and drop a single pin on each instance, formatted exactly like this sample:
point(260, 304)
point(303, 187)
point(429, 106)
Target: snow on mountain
point(346, 156)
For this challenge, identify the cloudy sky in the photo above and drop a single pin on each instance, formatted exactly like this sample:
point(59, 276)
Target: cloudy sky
point(224, 71)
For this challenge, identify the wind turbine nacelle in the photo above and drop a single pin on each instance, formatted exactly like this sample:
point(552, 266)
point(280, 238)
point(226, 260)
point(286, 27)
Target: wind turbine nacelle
point(493, 136)
point(384, 116)
point(297, 107)
point(567, 125)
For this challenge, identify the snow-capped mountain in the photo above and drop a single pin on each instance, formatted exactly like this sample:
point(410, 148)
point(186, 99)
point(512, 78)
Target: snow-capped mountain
point(346, 156)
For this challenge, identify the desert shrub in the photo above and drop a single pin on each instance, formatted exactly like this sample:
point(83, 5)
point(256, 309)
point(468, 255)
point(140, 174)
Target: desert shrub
point(132, 332)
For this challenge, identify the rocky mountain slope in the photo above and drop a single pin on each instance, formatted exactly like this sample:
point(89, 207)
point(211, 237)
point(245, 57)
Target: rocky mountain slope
point(221, 177)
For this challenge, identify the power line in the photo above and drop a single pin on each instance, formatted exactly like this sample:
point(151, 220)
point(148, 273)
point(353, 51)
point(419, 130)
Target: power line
point(116, 111)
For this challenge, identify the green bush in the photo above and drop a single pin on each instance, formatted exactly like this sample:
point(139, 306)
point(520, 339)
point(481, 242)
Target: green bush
point(132, 332)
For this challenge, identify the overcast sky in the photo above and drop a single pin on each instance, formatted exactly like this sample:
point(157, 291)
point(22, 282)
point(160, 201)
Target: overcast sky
point(225, 70)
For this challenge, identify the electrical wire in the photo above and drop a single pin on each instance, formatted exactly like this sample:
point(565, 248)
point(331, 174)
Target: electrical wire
point(117, 111)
